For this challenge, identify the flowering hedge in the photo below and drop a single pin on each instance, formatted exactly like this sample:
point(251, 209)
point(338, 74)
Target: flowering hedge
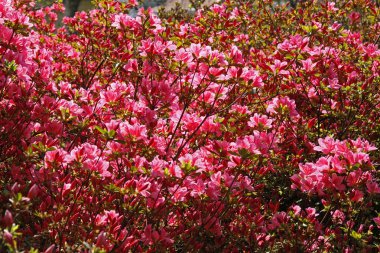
point(252, 127)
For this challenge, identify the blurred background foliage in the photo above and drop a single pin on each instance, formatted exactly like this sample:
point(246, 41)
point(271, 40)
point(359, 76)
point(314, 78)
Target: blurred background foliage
point(174, 9)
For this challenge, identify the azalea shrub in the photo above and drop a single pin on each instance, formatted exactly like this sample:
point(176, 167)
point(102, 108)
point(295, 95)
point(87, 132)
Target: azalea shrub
point(249, 127)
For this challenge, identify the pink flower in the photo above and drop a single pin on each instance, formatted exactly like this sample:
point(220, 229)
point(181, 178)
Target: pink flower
point(331, 7)
point(194, 160)
point(66, 189)
point(323, 164)
point(183, 56)
point(357, 195)
point(197, 188)
point(354, 178)
point(372, 50)
point(219, 9)
point(71, 107)
point(210, 126)
point(295, 42)
point(157, 166)
point(335, 27)
point(334, 83)
point(326, 145)
point(136, 130)
point(54, 157)
point(175, 171)
point(109, 217)
point(311, 212)
point(178, 193)
point(112, 216)
point(150, 236)
point(216, 178)
point(377, 221)
point(280, 105)
point(354, 17)
point(99, 165)
point(356, 158)
point(165, 237)
point(278, 68)
point(308, 65)
point(110, 96)
point(235, 52)
point(309, 169)
point(333, 76)
point(277, 220)
point(373, 187)
point(102, 240)
point(124, 21)
point(260, 121)
point(101, 220)
point(196, 49)
point(143, 187)
point(296, 209)
point(213, 190)
point(251, 75)
point(338, 216)
point(133, 2)
point(363, 145)
point(337, 182)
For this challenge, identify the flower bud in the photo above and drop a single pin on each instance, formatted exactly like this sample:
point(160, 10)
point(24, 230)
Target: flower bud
point(8, 238)
point(8, 218)
point(50, 249)
point(33, 191)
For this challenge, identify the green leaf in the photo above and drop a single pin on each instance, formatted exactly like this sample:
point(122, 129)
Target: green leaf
point(101, 130)
point(356, 235)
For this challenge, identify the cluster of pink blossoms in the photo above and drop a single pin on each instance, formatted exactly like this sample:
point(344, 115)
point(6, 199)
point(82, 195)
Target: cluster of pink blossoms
point(250, 127)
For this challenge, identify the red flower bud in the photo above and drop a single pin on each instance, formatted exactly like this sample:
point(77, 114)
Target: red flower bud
point(102, 240)
point(50, 249)
point(33, 192)
point(8, 218)
point(8, 237)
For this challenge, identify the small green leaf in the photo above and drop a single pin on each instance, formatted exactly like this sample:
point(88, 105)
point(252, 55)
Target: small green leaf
point(356, 235)
point(101, 130)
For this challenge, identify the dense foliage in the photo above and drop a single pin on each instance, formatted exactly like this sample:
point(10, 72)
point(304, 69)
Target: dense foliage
point(251, 127)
